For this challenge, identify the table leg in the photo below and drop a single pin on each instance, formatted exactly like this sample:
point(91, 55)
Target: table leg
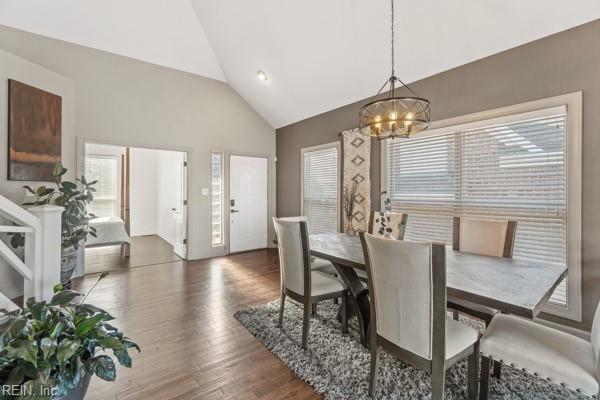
point(359, 299)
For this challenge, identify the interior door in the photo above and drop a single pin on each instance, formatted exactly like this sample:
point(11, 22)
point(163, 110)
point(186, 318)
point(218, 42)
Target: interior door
point(248, 203)
point(180, 205)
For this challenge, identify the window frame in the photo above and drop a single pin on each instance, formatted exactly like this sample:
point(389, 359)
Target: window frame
point(222, 243)
point(338, 146)
point(573, 102)
point(117, 208)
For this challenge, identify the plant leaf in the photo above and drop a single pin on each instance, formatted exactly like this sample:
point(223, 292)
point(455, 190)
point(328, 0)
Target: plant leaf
point(64, 297)
point(24, 349)
point(87, 324)
point(123, 357)
point(66, 349)
point(48, 347)
point(105, 368)
point(15, 377)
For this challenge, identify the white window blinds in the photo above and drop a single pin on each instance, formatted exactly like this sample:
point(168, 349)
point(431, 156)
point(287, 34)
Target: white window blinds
point(105, 170)
point(320, 188)
point(514, 170)
point(217, 199)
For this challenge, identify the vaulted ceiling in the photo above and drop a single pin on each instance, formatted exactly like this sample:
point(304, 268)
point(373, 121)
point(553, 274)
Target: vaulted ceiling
point(318, 54)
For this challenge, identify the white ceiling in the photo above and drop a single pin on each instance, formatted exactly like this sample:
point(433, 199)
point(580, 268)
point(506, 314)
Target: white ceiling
point(163, 32)
point(319, 54)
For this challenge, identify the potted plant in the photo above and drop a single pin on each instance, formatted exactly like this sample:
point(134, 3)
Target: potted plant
point(50, 350)
point(75, 218)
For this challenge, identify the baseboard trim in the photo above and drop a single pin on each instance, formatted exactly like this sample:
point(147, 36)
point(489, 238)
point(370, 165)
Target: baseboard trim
point(166, 239)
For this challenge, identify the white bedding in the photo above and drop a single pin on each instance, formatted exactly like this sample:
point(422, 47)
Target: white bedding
point(109, 230)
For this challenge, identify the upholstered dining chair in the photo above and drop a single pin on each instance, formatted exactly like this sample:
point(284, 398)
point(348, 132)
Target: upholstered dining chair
point(494, 238)
point(544, 352)
point(407, 284)
point(388, 224)
point(298, 281)
point(316, 264)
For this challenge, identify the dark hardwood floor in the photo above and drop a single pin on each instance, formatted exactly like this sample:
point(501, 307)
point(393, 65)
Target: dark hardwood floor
point(145, 250)
point(181, 314)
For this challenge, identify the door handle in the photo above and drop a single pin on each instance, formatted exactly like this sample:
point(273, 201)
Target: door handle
point(234, 211)
point(173, 209)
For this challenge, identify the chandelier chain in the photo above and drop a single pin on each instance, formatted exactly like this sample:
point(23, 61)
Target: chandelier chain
point(393, 56)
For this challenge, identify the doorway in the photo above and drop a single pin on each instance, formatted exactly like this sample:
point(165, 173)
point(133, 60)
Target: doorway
point(140, 206)
point(248, 201)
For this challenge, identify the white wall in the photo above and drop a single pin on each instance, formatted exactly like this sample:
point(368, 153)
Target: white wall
point(143, 191)
point(124, 101)
point(13, 67)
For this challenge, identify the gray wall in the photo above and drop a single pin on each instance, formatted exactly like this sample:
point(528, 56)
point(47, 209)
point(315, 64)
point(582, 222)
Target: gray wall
point(563, 63)
point(123, 101)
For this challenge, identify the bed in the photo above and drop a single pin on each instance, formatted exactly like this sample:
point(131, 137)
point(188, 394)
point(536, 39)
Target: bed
point(109, 231)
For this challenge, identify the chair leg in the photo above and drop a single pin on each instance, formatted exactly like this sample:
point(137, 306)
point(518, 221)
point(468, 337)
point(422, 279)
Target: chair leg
point(373, 371)
point(305, 324)
point(313, 309)
point(438, 379)
point(455, 315)
point(473, 372)
point(344, 312)
point(281, 306)
point(335, 301)
point(485, 378)
point(497, 372)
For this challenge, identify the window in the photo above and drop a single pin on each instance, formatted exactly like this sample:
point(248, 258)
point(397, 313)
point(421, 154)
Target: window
point(216, 208)
point(105, 170)
point(320, 187)
point(518, 166)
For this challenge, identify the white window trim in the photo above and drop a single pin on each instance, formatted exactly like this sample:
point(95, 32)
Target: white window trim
point(222, 244)
point(323, 146)
point(118, 159)
point(573, 103)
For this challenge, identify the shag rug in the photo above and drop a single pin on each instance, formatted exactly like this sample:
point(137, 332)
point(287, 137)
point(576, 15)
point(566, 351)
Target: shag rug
point(337, 365)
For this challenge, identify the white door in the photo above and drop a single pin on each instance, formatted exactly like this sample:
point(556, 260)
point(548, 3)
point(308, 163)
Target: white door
point(180, 205)
point(248, 203)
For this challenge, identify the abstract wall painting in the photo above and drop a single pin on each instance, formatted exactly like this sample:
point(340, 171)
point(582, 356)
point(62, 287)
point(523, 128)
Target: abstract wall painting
point(34, 132)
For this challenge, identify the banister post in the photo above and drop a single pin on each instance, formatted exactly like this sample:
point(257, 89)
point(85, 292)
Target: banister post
point(43, 255)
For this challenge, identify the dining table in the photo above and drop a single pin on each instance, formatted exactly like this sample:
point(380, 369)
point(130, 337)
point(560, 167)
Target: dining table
point(509, 285)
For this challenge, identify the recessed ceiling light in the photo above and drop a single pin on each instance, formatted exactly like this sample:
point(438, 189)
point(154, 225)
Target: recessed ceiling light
point(261, 75)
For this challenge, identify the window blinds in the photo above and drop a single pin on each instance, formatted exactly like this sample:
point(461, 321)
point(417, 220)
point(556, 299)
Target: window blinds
point(105, 171)
point(321, 189)
point(511, 170)
point(217, 199)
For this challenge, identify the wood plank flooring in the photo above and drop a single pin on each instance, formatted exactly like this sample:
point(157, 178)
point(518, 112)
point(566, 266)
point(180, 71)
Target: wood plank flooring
point(145, 250)
point(181, 314)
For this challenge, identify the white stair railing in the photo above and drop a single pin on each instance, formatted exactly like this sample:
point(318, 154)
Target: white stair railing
point(40, 267)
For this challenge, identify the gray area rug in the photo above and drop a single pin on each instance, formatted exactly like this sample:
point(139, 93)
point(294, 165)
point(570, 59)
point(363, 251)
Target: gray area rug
point(337, 365)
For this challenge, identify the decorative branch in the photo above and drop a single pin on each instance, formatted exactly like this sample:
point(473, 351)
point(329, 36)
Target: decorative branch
point(349, 198)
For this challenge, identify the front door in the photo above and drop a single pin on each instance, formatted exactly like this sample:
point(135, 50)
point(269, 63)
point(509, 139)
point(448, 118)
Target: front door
point(248, 203)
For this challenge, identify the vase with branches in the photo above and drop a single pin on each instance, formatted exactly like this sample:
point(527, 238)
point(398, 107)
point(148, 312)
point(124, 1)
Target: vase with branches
point(349, 199)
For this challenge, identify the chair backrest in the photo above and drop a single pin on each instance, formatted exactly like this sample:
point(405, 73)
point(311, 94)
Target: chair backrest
point(595, 339)
point(386, 224)
point(294, 260)
point(486, 237)
point(407, 283)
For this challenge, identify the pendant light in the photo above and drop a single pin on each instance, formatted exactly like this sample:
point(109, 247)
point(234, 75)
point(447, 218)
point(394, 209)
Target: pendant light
point(394, 116)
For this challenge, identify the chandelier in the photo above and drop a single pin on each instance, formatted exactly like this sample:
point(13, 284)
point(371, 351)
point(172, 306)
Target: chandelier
point(394, 116)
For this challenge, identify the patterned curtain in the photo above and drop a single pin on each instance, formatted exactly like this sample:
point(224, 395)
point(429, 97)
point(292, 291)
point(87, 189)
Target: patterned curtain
point(357, 164)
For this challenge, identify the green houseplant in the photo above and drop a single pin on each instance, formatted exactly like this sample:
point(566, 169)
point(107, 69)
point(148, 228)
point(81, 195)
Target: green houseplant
point(50, 350)
point(74, 197)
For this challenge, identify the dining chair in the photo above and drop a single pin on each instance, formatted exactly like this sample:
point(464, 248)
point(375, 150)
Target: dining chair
point(316, 264)
point(388, 224)
point(407, 285)
point(544, 352)
point(494, 238)
point(298, 281)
